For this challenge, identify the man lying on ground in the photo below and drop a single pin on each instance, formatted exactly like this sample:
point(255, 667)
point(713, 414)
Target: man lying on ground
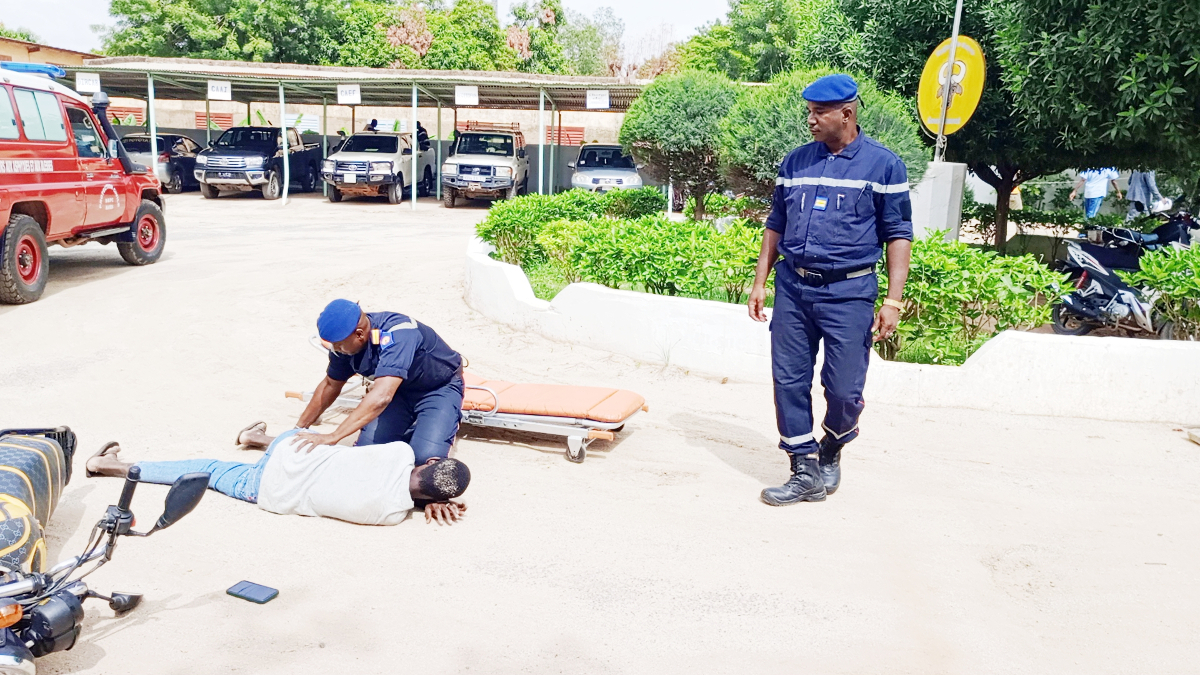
point(365, 484)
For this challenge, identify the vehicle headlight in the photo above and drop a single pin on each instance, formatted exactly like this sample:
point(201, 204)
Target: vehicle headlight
point(450, 169)
point(634, 180)
point(254, 162)
point(504, 172)
point(580, 178)
point(202, 160)
point(381, 167)
point(327, 166)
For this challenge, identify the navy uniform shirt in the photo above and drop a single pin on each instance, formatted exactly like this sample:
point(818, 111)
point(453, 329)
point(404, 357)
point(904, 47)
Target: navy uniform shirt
point(400, 347)
point(836, 211)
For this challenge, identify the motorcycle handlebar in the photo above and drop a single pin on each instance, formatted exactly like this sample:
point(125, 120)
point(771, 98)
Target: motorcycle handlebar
point(131, 481)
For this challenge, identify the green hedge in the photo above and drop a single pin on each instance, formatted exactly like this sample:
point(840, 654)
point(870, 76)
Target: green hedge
point(959, 296)
point(512, 226)
point(1174, 275)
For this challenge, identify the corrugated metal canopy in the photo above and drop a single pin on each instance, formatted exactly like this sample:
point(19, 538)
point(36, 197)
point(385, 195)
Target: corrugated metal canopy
point(186, 79)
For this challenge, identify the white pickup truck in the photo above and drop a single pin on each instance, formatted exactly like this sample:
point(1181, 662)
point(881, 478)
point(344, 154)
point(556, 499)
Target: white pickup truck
point(372, 163)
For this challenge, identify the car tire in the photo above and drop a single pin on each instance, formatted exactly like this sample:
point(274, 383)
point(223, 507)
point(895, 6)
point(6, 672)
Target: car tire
point(24, 261)
point(149, 236)
point(335, 195)
point(309, 182)
point(449, 197)
point(273, 189)
point(209, 192)
point(174, 184)
point(395, 191)
point(426, 187)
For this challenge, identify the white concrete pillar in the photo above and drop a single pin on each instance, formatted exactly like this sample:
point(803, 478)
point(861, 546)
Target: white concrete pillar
point(937, 200)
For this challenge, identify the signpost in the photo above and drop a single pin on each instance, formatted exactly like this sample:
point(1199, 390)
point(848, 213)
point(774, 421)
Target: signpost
point(466, 95)
point(597, 99)
point(349, 94)
point(87, 83)
point(951, 85)
point(220, 91)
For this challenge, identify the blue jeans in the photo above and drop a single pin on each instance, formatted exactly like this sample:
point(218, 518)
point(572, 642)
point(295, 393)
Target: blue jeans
point(235, 479)
point(426, 421)
point(1091, 206)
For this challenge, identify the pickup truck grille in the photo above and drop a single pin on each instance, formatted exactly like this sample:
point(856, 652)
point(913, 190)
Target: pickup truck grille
point(353, 167)
point(217, 162)
point(472, 170)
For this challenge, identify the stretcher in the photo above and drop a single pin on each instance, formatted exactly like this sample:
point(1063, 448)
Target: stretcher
point(580, 414)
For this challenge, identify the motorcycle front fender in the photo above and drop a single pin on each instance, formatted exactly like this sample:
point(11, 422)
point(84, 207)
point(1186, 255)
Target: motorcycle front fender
point(15, 657)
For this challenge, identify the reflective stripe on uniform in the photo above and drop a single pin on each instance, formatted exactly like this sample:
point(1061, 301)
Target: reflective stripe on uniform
point(796, 440)
point(894, 188)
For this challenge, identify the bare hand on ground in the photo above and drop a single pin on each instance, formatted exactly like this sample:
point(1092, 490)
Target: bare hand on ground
point(758, 298)
point(885, 322)
point(445, 513)
point(309, 440)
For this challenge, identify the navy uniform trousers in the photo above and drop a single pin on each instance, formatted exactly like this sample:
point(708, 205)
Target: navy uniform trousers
point(427, 421)
point(840, 316)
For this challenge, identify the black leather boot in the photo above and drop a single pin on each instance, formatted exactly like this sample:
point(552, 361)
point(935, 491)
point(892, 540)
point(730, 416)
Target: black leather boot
point(805, 485)
point(830, 454)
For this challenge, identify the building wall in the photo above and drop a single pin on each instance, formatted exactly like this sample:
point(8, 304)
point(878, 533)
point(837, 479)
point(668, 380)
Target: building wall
point(28, 52)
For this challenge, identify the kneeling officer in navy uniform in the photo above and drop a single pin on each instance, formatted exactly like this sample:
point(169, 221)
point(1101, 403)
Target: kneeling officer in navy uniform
point(417, 392)
point(837, 201)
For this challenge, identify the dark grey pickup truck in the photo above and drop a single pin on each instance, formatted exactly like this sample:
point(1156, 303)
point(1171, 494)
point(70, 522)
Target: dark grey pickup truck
point(251, 158)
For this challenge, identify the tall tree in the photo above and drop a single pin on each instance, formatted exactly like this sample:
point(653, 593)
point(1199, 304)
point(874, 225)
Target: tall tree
point(536, 30)
point(592, 46)
point(18, 33)
point(673, 128)
point(468, 37)
point(285, 31)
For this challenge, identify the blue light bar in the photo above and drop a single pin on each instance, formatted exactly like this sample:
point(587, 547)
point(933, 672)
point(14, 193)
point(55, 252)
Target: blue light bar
point(46, 69)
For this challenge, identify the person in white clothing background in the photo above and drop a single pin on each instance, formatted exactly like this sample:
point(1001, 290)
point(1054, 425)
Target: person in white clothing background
point(366, 484)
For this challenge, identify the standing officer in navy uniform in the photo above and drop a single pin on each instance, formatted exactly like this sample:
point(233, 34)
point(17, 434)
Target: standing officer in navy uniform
point(417, 392)
point(837, 201)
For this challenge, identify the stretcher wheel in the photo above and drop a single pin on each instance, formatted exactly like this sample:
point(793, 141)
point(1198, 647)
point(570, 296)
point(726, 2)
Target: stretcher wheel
point(576, 449)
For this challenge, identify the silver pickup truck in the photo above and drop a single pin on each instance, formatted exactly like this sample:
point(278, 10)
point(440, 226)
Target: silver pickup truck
point(372, 163)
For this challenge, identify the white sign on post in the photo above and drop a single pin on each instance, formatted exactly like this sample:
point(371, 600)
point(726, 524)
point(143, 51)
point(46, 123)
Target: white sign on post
point(219, 91)
point(466, 95)
point(349, 94)
point(597, 99)
point(87, 83)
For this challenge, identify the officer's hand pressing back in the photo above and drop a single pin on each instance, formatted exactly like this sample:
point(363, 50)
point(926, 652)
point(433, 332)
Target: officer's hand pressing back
point(886, 321)
point(758, 297)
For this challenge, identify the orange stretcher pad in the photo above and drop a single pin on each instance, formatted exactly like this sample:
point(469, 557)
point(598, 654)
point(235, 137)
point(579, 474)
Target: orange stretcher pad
point(580, 414)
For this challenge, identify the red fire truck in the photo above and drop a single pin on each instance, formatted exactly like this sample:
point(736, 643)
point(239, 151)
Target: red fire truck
point(65, 179)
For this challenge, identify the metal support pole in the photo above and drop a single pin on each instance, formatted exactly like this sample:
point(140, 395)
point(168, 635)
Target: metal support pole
point(670, 197)
point(439, 151)
point(153, 124)
point(557, 142)
point(353, 110)
point(324, 141)
point(541, 140)
point(249, 115)
point(940, 149)
point(554, 108)
point(207, 122)
point(416, 147)
point(283, 129)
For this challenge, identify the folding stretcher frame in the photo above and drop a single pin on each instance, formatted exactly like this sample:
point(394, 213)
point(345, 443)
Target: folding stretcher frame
point(580, 414)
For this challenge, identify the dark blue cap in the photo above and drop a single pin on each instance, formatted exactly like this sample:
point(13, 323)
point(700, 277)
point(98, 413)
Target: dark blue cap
point(837, 88)
point(338, 320)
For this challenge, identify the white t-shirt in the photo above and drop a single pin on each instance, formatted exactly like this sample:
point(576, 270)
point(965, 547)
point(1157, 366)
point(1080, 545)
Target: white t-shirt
point(1096, 182)
point(364, 484)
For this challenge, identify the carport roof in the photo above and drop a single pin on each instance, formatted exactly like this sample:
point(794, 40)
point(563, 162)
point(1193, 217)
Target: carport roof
point(186, 79)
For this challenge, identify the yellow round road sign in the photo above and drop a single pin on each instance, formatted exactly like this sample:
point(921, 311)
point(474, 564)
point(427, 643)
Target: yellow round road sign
point(966, 85)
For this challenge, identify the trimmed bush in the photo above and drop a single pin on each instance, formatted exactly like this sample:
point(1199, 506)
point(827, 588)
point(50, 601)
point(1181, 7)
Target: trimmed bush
point(959, 296)
point(643, 201)
point(1174, 274)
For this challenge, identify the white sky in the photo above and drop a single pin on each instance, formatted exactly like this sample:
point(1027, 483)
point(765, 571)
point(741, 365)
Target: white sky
point(649, 24)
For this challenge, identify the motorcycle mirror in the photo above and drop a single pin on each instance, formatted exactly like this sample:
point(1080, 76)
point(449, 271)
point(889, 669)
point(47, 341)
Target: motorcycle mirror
point(184, 496)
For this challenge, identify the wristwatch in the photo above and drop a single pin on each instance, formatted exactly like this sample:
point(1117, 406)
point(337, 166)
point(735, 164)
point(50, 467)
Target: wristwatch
point(898, 304)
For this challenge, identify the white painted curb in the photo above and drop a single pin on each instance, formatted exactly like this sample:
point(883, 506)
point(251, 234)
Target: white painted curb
point(1023, 373)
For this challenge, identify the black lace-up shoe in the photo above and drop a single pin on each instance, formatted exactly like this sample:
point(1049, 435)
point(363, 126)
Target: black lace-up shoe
point(830, 454)
point(805, 485)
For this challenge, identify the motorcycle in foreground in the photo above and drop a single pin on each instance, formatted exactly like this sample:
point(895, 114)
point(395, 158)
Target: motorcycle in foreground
point(1103, 299)
point(41, 612)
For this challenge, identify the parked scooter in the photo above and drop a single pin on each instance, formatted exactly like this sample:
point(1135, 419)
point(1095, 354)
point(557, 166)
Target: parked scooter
point(40, 613)
point(1102, 299)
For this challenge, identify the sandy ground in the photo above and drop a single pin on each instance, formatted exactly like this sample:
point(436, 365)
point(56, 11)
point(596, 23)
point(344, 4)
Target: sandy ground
point(960, 542)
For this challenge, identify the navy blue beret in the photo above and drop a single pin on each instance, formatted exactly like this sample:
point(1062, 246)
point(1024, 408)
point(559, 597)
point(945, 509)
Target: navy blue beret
point(837, 88)
point(338, 320)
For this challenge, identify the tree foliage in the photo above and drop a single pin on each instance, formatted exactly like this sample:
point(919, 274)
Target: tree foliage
point(468, 37)
point(292, 31)
point(1127, 82)
point(18, 33)
point(768, 122)
point(592, 46)
point(673, 128)
point(537, 25)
